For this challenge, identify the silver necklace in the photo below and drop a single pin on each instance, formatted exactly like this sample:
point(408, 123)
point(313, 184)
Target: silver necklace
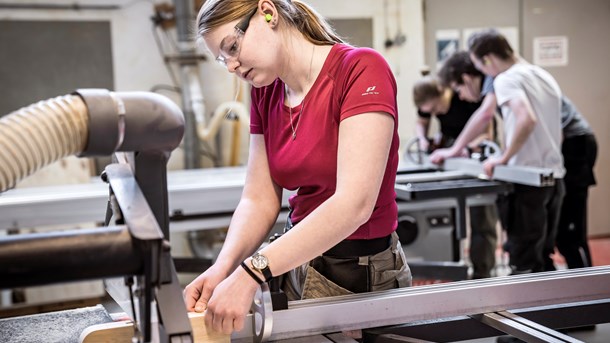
point(292, 126)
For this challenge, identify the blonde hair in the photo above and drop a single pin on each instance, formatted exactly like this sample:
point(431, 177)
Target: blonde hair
point(294, 13)
point(426, 89)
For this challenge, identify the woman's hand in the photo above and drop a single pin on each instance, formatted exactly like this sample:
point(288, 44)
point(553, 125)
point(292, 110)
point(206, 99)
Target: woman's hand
point(231, 302)
point(197, 294)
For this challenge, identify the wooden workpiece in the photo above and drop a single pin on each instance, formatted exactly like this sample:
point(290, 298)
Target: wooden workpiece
point(119, 332)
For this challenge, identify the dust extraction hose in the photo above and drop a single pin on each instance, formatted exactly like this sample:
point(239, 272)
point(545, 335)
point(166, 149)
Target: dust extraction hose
point(90, 122)
point(40, 134)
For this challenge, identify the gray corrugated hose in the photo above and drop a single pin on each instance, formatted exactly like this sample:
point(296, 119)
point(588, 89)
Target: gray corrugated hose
point(91, 122)
point(40, 134)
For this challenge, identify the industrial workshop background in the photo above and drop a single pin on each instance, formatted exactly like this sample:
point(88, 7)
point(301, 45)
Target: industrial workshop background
point(53, 47)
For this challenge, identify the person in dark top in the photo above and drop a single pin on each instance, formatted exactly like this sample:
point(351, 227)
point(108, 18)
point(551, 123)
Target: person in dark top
point(579, 149)
point(432, 99)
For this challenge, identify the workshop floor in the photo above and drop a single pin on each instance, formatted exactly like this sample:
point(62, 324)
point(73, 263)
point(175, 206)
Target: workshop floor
point(600, 253)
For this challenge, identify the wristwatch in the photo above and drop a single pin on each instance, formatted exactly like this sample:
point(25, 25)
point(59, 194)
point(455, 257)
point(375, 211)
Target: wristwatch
point(261, 263)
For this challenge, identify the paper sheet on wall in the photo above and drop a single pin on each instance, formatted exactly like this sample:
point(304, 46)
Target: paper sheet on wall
point(447, 42)
point(551, 51)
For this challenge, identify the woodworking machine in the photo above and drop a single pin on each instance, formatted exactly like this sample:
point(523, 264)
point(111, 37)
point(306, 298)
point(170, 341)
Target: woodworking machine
point(141, 130)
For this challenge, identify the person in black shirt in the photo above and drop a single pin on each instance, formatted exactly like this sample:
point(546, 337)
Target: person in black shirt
point(434, 100)
point(452, 112)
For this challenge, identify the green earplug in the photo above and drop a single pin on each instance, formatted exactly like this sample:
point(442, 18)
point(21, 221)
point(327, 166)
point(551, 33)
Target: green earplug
point(268, 17)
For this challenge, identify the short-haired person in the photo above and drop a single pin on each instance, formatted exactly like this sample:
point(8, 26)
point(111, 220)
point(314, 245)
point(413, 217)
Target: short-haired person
point(324, 122)
point(530, 103)
point(434, 100)
point(459, 73)
point(579, 150)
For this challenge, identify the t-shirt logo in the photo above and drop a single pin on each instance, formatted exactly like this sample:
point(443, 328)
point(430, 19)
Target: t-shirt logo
point(370, 91)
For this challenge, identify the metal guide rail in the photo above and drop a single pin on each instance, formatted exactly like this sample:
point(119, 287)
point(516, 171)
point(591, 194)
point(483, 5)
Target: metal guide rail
point(448, 189)
point(436, 305)
point(530, 176)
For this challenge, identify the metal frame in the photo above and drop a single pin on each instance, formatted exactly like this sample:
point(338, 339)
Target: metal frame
point(462, 328)
point(465, 298)
point(144, 210)
point(530, 176)
point(139, 248)
point(459, 189)
point(524, 329)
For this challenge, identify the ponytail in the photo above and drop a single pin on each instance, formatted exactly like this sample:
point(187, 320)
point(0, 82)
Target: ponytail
point(312, 25)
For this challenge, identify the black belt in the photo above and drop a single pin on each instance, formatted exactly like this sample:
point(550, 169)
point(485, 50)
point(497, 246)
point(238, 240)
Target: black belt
point(359, 247)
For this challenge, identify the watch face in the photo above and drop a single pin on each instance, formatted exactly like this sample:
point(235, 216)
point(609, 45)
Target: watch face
point(259, 261)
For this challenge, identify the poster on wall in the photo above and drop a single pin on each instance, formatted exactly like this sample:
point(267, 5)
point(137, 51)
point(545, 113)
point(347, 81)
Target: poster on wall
point(510, 32)
point(551, 51)
point(447, 42)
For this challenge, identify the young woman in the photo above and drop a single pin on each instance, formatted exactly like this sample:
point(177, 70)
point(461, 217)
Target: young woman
point(433, 99)
point(324, 123)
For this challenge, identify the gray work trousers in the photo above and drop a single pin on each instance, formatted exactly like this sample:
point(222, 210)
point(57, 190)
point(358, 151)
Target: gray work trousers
point(317, 279)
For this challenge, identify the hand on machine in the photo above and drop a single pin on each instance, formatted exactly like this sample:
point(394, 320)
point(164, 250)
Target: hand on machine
point(431, 151)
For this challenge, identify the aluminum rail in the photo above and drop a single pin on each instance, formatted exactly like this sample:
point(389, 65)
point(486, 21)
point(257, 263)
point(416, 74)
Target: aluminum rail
point(530, 176)
point(467, 328)
point(400, 306)
point(437, 175)
point(525, 329)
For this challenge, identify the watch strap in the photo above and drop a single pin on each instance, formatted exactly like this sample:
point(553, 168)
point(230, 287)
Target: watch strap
point(252, 274)
point(267, 274)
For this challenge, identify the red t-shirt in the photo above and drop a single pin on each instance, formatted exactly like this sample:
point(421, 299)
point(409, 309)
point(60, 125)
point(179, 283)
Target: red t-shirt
point(352, 81)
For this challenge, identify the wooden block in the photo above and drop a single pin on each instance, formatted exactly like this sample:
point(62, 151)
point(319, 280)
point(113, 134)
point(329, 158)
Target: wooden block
point(202, 333)
point(115, 332)
point(122, 331)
